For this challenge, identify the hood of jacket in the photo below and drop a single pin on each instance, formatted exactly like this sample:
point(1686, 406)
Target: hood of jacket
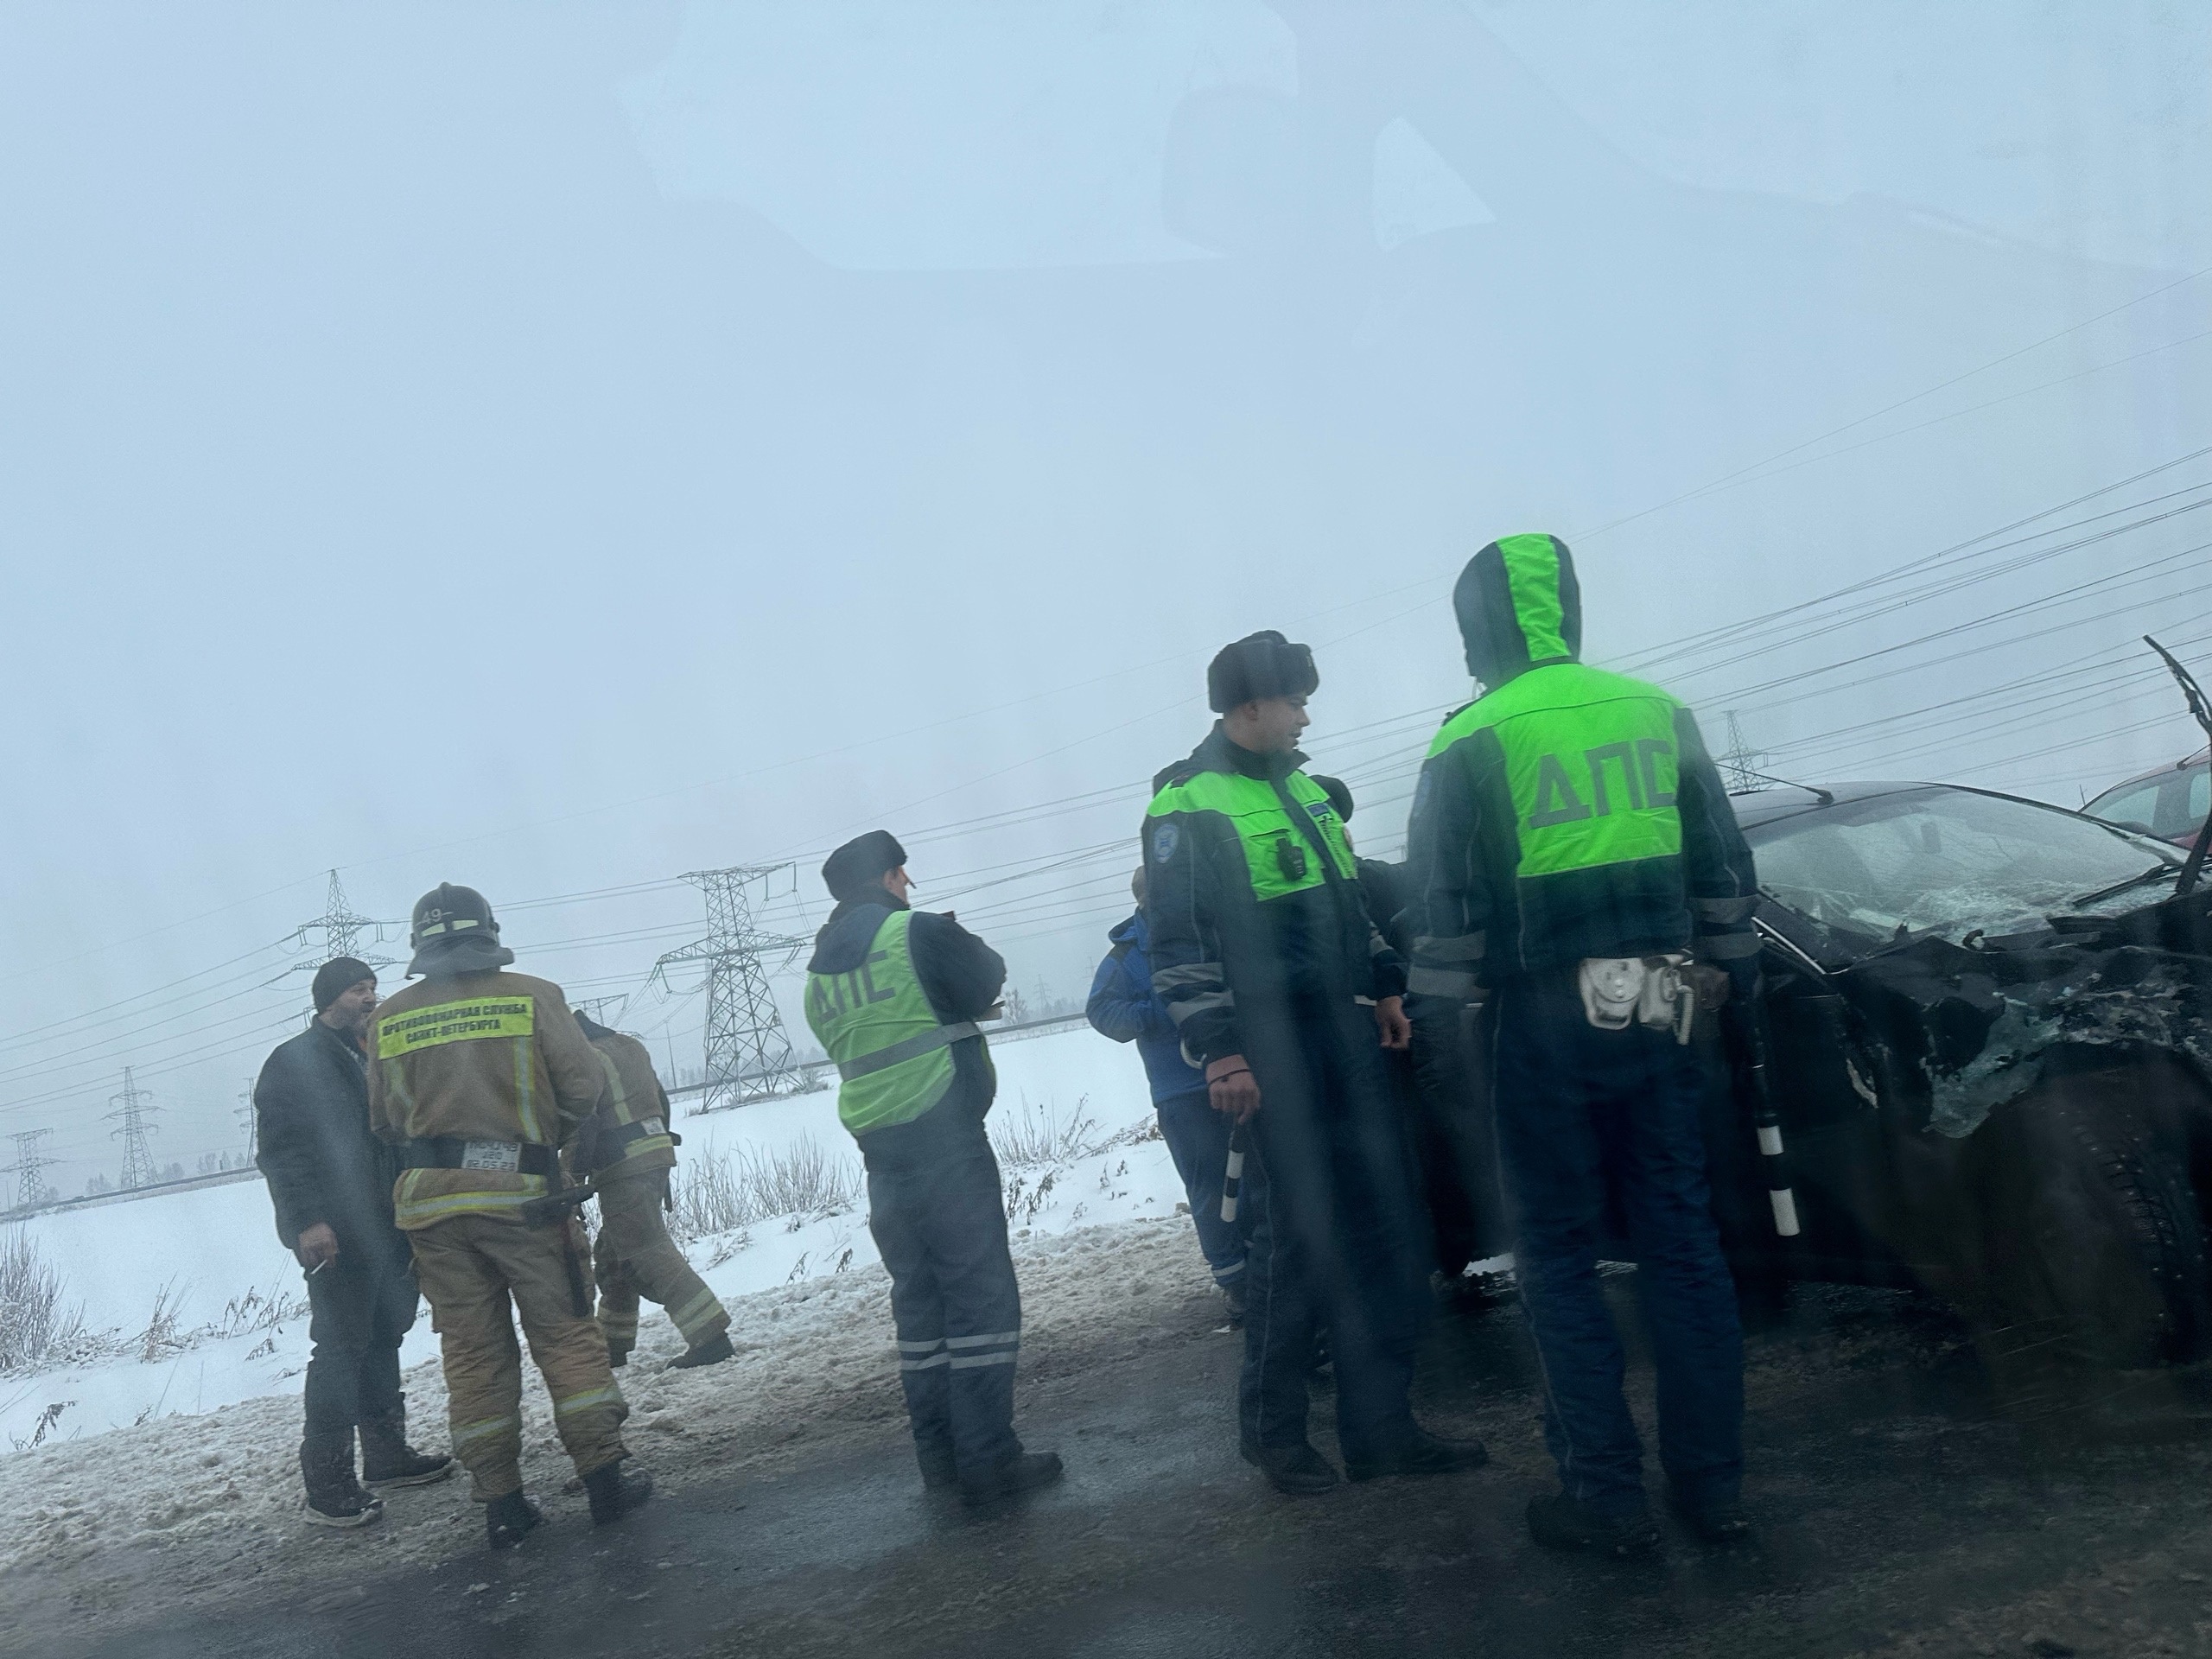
point(845, 938)
point(1519, 608)
point(1130, 931)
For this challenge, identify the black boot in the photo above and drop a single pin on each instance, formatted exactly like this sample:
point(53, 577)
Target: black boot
point(1297, 1469)
point(615, 1489)
point(505, 1519)
point(1723, 1524)
point(1233, 1293)
point(1024, 1471)
point(335, 1497)
point(617, 1356)
point(1414, 1451)
point(386, 1458)
point(712, 1351)
point(1557, 1522)
point(939, 1472)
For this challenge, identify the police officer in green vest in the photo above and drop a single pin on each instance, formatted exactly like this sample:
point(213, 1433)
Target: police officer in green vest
point(1572, 846)
point(893, 995)
point(1281, 987)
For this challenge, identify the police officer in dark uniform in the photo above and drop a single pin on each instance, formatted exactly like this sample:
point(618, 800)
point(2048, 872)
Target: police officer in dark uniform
point(1572, 845)
point(893, 994)
point(1282, 989)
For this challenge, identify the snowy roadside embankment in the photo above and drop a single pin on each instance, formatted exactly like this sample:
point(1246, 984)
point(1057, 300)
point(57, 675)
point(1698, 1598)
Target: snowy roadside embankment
point(188, 1512)
point(197, 1257)
point(169, 1468)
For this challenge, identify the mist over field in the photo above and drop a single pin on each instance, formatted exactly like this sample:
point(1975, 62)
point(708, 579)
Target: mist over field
point(556, 451)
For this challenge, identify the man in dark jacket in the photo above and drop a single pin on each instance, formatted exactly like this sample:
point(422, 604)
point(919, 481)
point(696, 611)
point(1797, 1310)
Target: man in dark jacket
point(894, 993)
point(1124, 1006)
point(1281, 988)
point(330, 1180)
point(1573, 846)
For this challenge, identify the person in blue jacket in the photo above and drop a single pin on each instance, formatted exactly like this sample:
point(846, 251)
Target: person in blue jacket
point(1122, 1006)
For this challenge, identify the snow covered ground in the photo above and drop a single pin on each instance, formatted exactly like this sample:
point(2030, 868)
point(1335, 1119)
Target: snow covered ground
point(188, 1512)
point(201, 1253)
point(188, 1460)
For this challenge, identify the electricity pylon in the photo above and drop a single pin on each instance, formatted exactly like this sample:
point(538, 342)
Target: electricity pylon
point(340, 929)
point(1739, 770)
point(749, 1055)
point(133, 1109)
point(28, 1168)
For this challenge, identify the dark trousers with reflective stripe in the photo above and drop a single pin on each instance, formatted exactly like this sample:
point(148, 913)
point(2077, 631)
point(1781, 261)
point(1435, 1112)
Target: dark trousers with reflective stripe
point(1331, 1217)
point(939, 1219)
point(1583, 1114)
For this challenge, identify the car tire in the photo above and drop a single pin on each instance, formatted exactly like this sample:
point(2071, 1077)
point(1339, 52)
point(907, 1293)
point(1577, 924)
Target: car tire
point(2094, 1249)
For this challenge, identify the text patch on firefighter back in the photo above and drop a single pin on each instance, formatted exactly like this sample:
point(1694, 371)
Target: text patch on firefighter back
point(456, 1022)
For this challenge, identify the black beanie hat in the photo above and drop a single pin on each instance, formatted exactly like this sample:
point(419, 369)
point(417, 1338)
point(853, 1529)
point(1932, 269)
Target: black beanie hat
point(1262, 664)
point(337, 976)
point(861, 863)
point(1339, 791)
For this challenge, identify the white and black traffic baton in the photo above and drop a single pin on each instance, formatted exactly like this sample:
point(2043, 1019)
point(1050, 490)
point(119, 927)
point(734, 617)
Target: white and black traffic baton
point(1765, 1120)
point(1232, 1178)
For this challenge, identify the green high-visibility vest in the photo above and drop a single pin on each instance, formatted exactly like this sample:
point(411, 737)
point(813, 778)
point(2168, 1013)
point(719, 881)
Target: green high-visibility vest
point(1277, 854)
point(893, 1054)
point(1589, 762)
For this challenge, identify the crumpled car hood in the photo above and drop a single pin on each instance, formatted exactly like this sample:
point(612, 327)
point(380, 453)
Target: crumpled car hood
point(1960, 1031)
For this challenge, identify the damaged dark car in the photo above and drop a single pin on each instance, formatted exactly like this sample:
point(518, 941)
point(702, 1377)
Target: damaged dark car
point(1991, 1025)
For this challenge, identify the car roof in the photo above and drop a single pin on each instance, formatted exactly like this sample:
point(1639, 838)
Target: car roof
point(2188, 762)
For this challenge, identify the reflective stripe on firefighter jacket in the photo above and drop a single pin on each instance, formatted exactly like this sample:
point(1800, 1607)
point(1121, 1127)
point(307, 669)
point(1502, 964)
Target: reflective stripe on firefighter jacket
point(494, 1061)
point(894, 1055)
point(1569, 812)
point(631, 1130)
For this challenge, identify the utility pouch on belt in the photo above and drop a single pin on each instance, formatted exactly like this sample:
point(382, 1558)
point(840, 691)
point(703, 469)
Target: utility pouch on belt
point(1649, 990)
point(451, 1152)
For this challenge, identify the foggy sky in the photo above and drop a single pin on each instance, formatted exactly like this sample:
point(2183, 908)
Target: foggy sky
point(557, 448)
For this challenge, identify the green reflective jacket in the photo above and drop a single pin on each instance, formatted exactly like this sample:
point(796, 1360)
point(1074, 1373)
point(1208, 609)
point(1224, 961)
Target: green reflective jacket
point(1252, 895)
point(1569, 812)
point(894, 1056)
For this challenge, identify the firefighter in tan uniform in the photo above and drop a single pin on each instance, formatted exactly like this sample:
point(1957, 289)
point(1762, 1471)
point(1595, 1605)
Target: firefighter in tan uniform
point(481, 1076)
point(626, 1150)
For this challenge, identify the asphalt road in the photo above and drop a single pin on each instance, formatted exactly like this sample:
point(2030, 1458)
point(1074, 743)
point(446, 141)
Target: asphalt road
point(1898, 1515)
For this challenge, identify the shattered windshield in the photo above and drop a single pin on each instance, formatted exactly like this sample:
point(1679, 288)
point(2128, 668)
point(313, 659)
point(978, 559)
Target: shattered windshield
point(1946, 860)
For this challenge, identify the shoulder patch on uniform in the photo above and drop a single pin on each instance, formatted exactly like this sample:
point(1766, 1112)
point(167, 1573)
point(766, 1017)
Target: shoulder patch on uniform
point(1165, 838)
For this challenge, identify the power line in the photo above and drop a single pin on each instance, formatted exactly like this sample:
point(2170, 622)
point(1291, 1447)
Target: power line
point(1738, 644)
point(1743, 473)
point(1640, 661)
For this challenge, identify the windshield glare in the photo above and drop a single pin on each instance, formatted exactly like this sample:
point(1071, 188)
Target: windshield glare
point(1945, 861)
